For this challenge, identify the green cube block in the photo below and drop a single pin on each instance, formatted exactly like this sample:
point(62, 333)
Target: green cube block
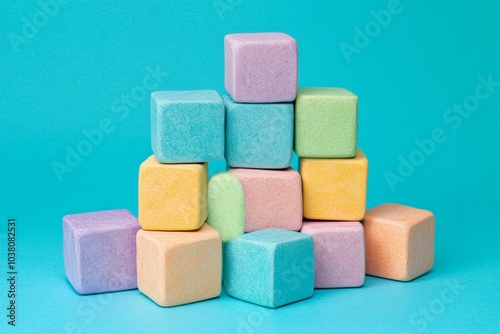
point(326, 123)
point(226, 205)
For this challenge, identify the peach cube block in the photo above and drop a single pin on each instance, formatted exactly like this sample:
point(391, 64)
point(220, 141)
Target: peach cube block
point(399, 241)
point(175, 268)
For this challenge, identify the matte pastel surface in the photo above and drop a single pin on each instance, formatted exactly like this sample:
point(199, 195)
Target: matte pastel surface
point(187, 126)
point(326, 123)
point(334, 189)
point(172, 196)
point(259, 135)
point(175, 268)
point(65, 79)
point(260, 67)
point(273, 198)
point(399, 241)
point(226, 205)
point(271, 268)
point(339, 253)
point(100, 251)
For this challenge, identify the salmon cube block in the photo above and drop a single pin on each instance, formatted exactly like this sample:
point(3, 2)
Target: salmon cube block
point(399, 241)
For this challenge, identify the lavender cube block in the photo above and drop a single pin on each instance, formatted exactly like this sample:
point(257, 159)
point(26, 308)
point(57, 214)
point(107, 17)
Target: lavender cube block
point(100, 251)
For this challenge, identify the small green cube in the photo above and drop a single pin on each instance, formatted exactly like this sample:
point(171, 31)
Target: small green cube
point(326, 123)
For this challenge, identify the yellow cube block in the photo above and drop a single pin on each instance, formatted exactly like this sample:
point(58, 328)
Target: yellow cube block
point(175, 268)
point(334, 189)
point(172, 197)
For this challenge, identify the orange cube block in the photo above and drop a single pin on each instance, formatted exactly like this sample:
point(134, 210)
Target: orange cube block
point(175, 268)
point(334, 189)
point(399, 241)
point(172, 197)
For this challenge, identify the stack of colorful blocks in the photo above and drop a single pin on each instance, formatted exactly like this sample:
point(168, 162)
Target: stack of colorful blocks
point(242, 226)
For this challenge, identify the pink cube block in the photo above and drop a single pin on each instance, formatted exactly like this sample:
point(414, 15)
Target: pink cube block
point(273, 198)
point(261, 67)
point(339, 253)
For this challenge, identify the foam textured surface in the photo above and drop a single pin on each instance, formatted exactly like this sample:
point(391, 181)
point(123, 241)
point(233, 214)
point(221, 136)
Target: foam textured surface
point(187, 126)
point(326, 123)
point(172, 196)
point(339, 253)
point(399, 241)
point(100, 251)
point(226, 205)
point(273, 198)
point(260, 67)
point(175, 268)
point(271, 268)
point(259, 135)
point(334, 189)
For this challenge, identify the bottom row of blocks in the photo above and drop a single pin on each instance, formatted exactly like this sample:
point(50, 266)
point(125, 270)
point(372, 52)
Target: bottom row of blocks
point(103, 251)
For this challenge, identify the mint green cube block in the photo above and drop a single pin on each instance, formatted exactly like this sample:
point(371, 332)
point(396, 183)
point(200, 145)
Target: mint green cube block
point(226, 205)
point(326, 123)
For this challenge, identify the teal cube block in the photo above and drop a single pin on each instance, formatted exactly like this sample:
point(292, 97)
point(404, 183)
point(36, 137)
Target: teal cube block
point(259, 135)
point(187, 126)
point(271, 268)
point(326, 123)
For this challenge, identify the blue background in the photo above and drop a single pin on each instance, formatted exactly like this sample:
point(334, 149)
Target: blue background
point(69, 75)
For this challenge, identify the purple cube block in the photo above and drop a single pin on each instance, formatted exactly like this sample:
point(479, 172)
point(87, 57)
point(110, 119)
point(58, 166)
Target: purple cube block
point(339, 253)
point(260, 67)
point(100, 251)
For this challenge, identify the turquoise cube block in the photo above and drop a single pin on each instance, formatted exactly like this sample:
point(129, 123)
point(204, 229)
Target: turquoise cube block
point(259, 135)
point(272, 267)
point(187, 126)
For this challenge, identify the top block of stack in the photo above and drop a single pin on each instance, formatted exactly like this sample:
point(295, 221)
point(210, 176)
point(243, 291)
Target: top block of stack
point(260, 67)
